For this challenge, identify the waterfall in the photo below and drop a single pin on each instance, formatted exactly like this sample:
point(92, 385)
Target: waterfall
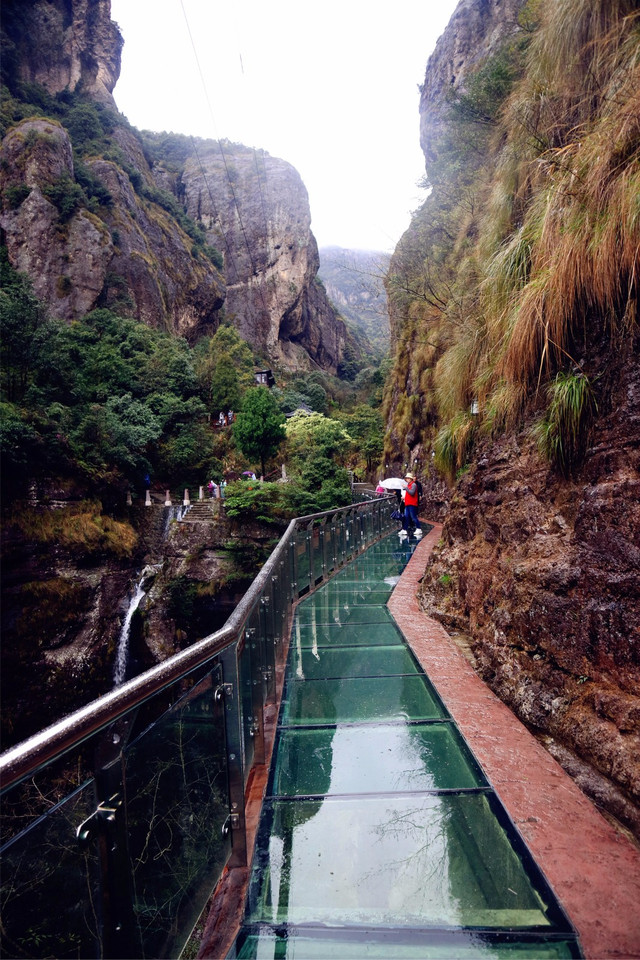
point(175, 512)
point(122, 651)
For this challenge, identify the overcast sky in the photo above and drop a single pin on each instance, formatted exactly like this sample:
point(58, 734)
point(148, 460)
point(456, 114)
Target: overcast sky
point(330, 86)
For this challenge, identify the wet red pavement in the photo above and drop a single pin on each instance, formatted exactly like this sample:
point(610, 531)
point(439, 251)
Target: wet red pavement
point(593, 869)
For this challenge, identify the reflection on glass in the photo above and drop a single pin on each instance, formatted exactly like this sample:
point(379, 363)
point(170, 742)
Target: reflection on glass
point(387, 758)
point(463, 945)
point(50, 891)
point(177, 804)
point(354, 700)
point(377, 661)
point(416, 861)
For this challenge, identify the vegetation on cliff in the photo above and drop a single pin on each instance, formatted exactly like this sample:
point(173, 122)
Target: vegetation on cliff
point(525, 255)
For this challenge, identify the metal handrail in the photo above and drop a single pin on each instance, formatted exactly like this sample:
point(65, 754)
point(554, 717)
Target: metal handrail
point(27, 757)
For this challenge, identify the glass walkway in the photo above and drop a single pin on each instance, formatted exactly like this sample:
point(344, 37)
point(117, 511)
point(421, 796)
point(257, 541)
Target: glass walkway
point(380, 836)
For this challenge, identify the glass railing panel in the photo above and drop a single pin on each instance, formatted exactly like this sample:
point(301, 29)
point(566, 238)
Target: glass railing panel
point(350, 534)
point(270, 944)
point(314, 663)
point(177, 796)
point(403, 861)
point(256, 636)
point(314, 702)
point(384, 758)
point(281, 594)
point(51, 884)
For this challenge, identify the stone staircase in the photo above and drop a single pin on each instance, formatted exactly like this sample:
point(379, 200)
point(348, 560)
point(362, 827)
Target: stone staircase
point(202, 511)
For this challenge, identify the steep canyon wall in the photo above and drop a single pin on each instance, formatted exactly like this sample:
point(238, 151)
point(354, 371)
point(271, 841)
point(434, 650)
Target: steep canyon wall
point(537, 570)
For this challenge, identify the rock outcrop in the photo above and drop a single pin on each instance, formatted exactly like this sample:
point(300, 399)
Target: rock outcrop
point(137, 245)
point(64, 45)
point(476, 30)
point(132, 255)
point(256, 211)
point(543, 578)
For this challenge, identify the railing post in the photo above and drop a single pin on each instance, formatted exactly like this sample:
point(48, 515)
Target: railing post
point(108, 827)
point(309, 549)
point(293, 560)
point(230, 690)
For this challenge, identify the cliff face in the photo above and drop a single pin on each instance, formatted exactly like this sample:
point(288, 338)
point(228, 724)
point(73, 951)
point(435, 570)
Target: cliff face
point(130, 255)
point(542, 577)
point(476, 30)
point(537, 571)
point(255, 209)
point(64, 45)
point(95, 221)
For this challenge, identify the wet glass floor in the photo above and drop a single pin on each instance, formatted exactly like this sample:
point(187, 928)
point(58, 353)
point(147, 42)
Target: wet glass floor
point(379, 836)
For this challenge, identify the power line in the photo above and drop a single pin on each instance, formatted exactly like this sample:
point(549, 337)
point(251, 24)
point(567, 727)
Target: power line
point(224, 161)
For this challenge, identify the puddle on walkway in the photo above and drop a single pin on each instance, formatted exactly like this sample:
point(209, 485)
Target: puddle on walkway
point(380, 837)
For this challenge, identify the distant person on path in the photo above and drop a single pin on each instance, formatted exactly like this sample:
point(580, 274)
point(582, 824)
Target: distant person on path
point(410, 504)
point(223, 484)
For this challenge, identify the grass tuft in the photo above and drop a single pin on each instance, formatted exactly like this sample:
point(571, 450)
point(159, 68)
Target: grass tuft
point(563, 434)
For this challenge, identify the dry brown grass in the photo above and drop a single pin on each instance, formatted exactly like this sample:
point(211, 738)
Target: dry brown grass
point(582, 229)
point(81, 527)
point(549, 260)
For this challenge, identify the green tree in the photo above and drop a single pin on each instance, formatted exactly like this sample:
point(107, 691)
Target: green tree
point(225, 386)
point(259, 427)
point(21, 315)
point(307, 432)
point(224, 368)
point(366, 429)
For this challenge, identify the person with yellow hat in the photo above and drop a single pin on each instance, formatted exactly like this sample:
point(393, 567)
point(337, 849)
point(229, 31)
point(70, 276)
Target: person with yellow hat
point(410, 518)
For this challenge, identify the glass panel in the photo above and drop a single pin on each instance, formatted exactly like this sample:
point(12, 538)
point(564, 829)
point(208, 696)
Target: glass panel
point(416, 861)
point(177, 806)
point(314, 702)
point(50, 886)
point(373, 759)
point(328, 532)
point(350, 635)
point(341, 591)
point(321, 608)
point(380, 661)
point(392, 945)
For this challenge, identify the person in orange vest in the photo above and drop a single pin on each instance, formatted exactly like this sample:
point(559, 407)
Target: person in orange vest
point(410, 518)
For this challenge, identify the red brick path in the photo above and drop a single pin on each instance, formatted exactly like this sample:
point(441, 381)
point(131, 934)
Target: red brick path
point(594, 870)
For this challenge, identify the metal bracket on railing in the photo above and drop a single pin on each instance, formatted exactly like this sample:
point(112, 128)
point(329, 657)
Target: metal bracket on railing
point(105, 813)
point(223, 690)
point(249, 633)
point(267, 673)
point(254, 727)
point(264, 601)
point(231, 823)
